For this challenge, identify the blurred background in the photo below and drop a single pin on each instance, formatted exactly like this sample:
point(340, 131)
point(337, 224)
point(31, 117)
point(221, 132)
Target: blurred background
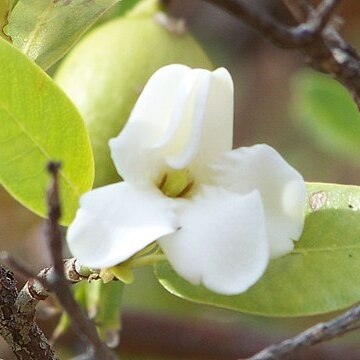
point(157, 325)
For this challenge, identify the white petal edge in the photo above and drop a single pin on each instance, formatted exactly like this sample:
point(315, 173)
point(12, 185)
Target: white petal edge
point(134, 158)
point(222, 242)
point(217, 131)
point(193, 119)
point(116, 221)
point(157, 100)
point(208, 113)
point(282, 190)
point(147, 125)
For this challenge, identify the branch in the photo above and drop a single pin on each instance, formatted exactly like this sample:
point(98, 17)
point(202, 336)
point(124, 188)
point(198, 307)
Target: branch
point(37, 288)
point(56, 280)
point(300, 9)
point(323, 16)
point(25, 338)
point(316, 36)
point(276, 32)
point(349, 321)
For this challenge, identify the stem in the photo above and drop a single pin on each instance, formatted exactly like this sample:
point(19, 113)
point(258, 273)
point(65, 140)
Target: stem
point(316, 36)
point(148, 260)
point(58, 282)
point(348, 321)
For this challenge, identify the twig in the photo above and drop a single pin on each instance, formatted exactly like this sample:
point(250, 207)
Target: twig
point(54, 235)
point(276, 32)
point(316, 36)
point(319, 333)
point(57, 280)
point(17, 265)
point(299, 8)
point(38, 287)
point(152, 335)
point(325, 13)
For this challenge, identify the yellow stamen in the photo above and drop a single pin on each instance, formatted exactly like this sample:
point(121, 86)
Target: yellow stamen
point(176, 183)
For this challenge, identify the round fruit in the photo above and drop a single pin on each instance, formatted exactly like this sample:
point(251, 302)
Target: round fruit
point(105, 73)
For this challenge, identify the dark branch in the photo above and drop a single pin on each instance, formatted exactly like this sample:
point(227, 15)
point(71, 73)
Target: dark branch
point(349, 321)
point(316, 36)
point(57, 281)
point(322, 17)
point(20, 331)
point(276, 32)
point(16, 265)
point(54, 214)
point(300, 9)
point(38, 287)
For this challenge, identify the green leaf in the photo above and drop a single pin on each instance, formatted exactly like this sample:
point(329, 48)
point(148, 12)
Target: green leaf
point(102, 302)
point(326, 110)
point(319, 276)
point(79, 291)
point(45, 30)
point(5, 9)
point(125, 6)
point(104, 307)
point(39, 123)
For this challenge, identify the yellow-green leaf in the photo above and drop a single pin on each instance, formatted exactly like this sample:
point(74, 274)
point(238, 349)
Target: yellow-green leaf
point(39, 123)
point(319, 276)
point(46, 29)
point(104, 307)
point(326, 110)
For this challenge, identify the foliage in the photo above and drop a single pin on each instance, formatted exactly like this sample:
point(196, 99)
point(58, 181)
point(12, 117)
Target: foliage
point(38, 124)
point(319, 276)
point(114, 57)
point(326, 110)
point(45, 30)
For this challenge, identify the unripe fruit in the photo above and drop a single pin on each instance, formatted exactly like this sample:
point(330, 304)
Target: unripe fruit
point(105, 73)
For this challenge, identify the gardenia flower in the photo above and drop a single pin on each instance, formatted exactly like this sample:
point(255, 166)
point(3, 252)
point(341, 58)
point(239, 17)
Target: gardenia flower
point(218, 214)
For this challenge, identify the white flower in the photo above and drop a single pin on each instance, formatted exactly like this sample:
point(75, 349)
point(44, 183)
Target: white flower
point(218, 214)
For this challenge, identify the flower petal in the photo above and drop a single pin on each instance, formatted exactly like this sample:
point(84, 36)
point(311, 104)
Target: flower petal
point(205, 126)
point(135, 159)
point(178, 118)
point(222, 242)
point(217, 128)
point(281, 187)
point(147, 125)
point(116, 221)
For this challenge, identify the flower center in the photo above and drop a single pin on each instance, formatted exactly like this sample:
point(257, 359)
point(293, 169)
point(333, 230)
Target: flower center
point(176, 183)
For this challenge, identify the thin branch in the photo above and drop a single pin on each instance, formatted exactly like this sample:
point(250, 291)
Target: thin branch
point(324, 14)
point(300, 9)
point(54, 235)
point(17, 265)
point(37, 288)
point(276, 32)
point(349, 321)
point(316, 36)
point(57, 280)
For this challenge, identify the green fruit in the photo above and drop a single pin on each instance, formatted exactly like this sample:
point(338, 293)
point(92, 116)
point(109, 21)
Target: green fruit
point(105, 73)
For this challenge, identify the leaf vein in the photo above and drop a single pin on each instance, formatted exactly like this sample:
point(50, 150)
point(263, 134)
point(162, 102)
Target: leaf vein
point(38, 145)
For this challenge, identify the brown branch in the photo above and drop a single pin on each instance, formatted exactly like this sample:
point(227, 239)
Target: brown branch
point(300, 9)
point(276, 32)
point(25, 338)
point(57, 281)
point(349, 321)
point(316, 36)
point(322, 16)
point(37, 288)
point(154, 335)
